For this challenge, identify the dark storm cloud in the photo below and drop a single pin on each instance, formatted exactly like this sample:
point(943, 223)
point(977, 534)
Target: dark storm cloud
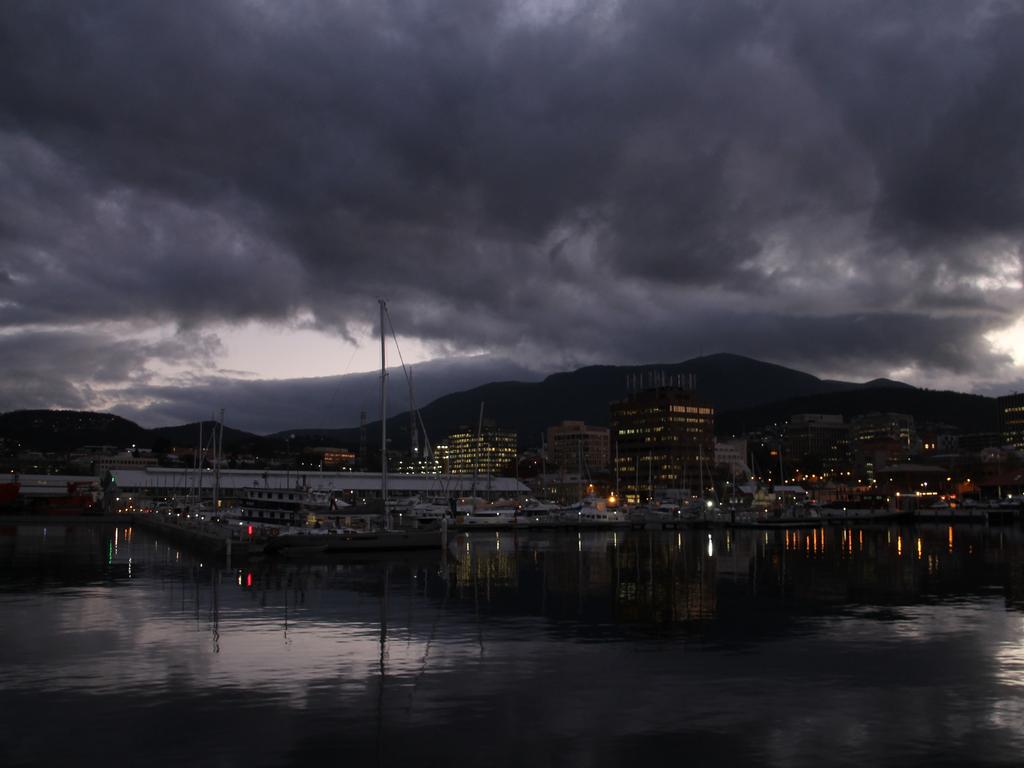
point(929, 90)
point(565, 182)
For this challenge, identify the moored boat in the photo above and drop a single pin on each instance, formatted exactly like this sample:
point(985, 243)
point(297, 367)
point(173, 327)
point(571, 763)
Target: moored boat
point(942, 510)
point(337, 539)
point(794, 515)
point(592, 512)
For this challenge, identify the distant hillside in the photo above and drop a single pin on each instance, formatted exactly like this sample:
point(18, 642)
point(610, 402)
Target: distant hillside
point(970, 413)
point(57, 431)
point(746, 394)
point(728, 382)
point(63, 430)
point(235, 440)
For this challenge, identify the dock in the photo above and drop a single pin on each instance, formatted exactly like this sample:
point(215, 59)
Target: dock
point(216, 538)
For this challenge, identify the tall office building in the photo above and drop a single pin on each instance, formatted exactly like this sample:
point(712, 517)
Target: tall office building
point(1011, 420)
point(820, 440)
point(872, 427)
point(665, 441)
point(575, 447)
point(492, 452)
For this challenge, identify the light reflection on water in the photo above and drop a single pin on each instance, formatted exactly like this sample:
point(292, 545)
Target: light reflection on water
point(780, 647)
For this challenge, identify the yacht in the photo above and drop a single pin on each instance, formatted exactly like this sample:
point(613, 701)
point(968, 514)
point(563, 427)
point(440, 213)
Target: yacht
point(291, 507)
point(942, 510)
point(859, 511)
point(490, 517)
point(592, 511)
point(794, 515)
point(416, 513)
point(386, 538)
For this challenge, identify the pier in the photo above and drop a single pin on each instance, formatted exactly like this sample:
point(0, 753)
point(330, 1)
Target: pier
point(216, 538)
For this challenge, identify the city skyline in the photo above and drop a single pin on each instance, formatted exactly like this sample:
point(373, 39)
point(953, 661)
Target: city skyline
point(200, 203)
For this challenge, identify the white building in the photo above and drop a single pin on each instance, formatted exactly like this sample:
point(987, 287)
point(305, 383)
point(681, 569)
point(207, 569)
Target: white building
point(733, 453)
point(165, 481)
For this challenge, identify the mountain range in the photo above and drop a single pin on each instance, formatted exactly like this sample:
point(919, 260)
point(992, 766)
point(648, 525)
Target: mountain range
point(747, 394)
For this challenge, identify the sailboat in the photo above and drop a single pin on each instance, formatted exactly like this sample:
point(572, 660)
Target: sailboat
point(387, 538)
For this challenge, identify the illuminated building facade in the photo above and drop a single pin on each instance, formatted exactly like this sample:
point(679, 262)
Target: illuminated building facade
point(873, 427)
point(879, 439)
point(1011, 420)
point(665, 438)
point(336, 457)
point(492, 452)
point(418, 466)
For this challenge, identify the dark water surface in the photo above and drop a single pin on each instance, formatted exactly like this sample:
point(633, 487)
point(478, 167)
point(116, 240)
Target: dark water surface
point(892, 645)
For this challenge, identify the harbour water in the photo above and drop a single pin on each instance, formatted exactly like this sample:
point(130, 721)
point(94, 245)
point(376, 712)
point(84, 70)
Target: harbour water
point(885, 644)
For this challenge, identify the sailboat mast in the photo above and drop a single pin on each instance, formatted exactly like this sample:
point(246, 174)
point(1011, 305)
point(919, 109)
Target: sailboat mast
point(617, 495)
point(732, 472)
point(414, 436)
point(218, 445)
point(636, 480)
point(650, 474)
point(479, 448)
point(782, 480)
point(199, 467)
point(579, 464)
point(543, 466)
point(700, 469)
point(383, 419)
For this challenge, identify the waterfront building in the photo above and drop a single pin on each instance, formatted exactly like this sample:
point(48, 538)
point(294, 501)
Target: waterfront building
point(443, 456)
point(872, 427)
point(573, 445)
point(733, 454)
point(570, 487)
point(491, 451)
point(976, 442)
point(417, 466)
point(915, 484)
point(1011, 420)
point(870, 456)
point(157, 483)
point(332, 457)
point(880, 439)
point(818, 442)
point(938, 439)
point(125, 460)
point(665, 440)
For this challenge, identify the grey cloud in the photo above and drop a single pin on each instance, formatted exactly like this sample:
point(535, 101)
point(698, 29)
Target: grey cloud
point(78, 369)
point(929, 90)
point(571, 188)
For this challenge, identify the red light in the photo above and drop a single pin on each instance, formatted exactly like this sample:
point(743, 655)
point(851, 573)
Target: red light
point(248, 579)
point(250, 530)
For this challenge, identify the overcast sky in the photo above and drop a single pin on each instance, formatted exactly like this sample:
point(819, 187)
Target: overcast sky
point(200, 196)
